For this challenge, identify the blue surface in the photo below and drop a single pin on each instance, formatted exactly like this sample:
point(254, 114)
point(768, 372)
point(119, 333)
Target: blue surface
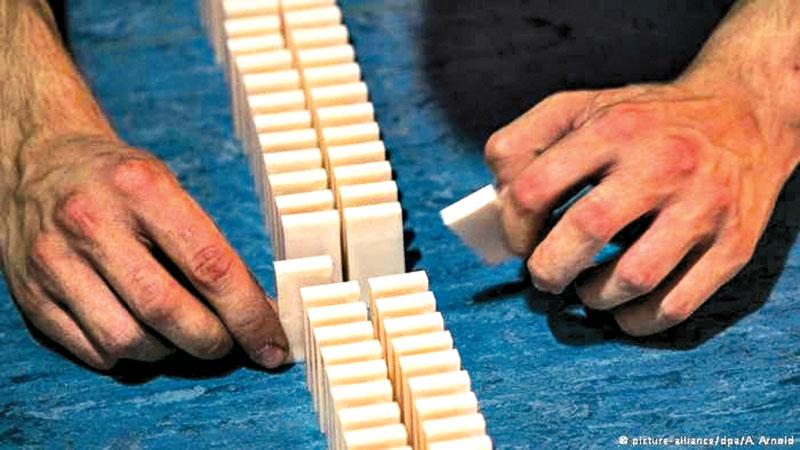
point(442, 75)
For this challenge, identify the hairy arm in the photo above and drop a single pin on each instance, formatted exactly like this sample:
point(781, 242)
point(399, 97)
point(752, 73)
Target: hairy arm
point(86, 219)
point(703, 156)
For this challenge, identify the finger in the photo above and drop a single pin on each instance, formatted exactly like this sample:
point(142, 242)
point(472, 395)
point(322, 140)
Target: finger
point(154, 296)
point(57, 325)
point(673, 304)
point(188, 236)
point(512, 147)
point(95, 307)
point(528, 200)
point(674, 232)
point(586, 227)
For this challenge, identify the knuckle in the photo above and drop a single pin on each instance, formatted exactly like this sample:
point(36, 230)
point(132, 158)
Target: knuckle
point(624, 121)
point(212, 267)
point(136, 175)
point(44, 251)
point(77, 213)
point(155, 304)
point(526, 192)
point(591, 219)
point(683, 156)
point(498, 147)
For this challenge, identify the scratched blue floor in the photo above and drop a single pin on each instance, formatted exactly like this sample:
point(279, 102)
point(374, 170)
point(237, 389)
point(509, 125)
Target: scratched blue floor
point(546, 375)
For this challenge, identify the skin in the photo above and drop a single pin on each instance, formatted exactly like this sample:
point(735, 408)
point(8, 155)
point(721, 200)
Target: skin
point(703, 156)
point(85, 216)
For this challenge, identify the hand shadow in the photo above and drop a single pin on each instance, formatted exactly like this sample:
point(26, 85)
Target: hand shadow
point(571, 324)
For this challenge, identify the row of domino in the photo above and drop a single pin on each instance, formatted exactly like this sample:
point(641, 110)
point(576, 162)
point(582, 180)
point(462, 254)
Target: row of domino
point(303, 115)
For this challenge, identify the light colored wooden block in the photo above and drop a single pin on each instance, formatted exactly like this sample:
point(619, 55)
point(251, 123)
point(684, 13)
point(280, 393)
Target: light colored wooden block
point(348, 73)
point(324, 226)
point(361, 417)
point(252, 26)
point(277, 102)
point(351, 134)
point(339, 94)
point(325, 56)
point(440, 407)
point(318, 37)
point(292, 161)
point(410, 326)
point(344, 374)
point(458, 427)
point(290, 276)
point(329, 316)
point(325, 295)
point(471, 443)
point(256, 44)
point(334, 116)
point(414, 345)
point(269, 82)
point(371, 172)
point(477, 220)
point(312, 17)
point(264, 61)
point(383, 437)
point(429, 386)
point(335, 335)
point(346, 155)
point(349, 353)
point(246, 8)
point(361, 394)
point(283, 121)
point(298, 181)
point(399, 306)
point(366, 194)
point(282, 141)
point(304, 202)
point(373, 241)
point(397, 284)
point(294, 5)
point(412, 366)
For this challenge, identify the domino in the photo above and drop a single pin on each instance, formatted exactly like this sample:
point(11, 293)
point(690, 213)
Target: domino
point(370, 172)
point(388, 436)
point(350, 134)
point(294, 5)
point(440, 407)
point(370, 416)
point(367, 194)
point(325, 56)
point(281, 141)
point(346, 74)
point(401, 305)
point(325, 295)
point(410, 325)
point(339, 94)
point(353, 154)
point(282, 121)
point(344, 374)
point(333, 116)
point(398, 284)
point(458, 427)
point(265, 82)
point(414, 345)
point(292, 161)
point(312, 17)
point(472, 443)
point(304, 202)
point(324, 226)
point(298, 181)
point(361, 394)
point(333, 335)
point(277, 102)
point(428, 386)
point(418, 365)
point(252, 26)
point(373, 241)
point(290, 276)
point(476, 220)
point(318, 37)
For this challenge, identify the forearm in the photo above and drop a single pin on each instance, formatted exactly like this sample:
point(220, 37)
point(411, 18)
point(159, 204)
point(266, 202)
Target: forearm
point(42, 95)
point(756, 51)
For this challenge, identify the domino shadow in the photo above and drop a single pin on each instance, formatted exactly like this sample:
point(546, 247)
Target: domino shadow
point(488, 62)
point(571, 324)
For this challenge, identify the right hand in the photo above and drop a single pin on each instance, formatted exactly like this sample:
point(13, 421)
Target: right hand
point(81, 237)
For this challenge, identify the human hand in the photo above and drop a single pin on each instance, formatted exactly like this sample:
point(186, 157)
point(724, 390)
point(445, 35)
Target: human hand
point(705, 162)
point(87, 236)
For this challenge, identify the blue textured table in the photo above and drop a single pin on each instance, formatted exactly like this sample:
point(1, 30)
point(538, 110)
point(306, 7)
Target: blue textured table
point(442, 76)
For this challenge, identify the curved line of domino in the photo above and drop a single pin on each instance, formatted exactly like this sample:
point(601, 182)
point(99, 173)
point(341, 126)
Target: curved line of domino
point(381, 369)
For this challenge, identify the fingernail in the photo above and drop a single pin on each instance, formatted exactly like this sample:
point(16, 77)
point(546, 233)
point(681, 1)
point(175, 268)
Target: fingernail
point(272, 357)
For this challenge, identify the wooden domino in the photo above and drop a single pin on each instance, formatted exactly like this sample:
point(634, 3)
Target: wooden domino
point(440, 407)
point(388, 436)
point(415, 344)
point(290, 276)
point(437, 384)
point(476, 219)
point(363, 417)
point(366, 194)
point(292, 161)
point(451, 428)
point(472, 443)
point(353, 154)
